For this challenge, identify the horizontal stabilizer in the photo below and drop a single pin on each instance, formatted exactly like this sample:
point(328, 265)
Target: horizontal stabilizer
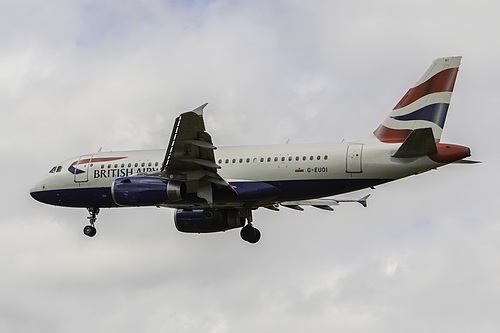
point(420, 142)
point(467, 162)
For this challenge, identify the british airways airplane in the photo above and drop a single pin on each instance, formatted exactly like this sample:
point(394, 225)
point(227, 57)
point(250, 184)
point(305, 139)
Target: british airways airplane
point(216, 190)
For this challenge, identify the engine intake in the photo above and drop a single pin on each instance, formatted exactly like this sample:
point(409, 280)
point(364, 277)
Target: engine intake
point(146, 191)
point(203, 221)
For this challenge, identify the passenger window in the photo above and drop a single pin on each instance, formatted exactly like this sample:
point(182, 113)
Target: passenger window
point(318, 158)
point(109, 166)
point(275, 159)
point(248, 160)
point(269, 159)
point(150, 164)
point(304, 158)
point(283, 159)
point(102, 166)
point(143, 164)
point(227, 161)
point(255, 159)
point(289, 158)
point(156, 163)
point(240, 160)
point(261, 159)
point(116, 166)
point(326, 157)
point(123, 165)
point(129, 165)
point(296, 158)
point(219, 161)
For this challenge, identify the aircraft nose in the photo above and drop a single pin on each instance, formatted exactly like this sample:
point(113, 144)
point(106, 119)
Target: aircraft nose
point(35, 195)
point(36, 191)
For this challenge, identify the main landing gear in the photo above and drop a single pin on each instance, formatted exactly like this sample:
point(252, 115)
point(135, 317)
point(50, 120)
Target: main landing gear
point(90, 230)
point(250, 234)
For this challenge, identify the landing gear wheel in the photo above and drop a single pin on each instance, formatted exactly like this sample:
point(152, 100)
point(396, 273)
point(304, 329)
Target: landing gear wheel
point(89, 231)
point(250, 234)
point(210, 215)
point(256, 236)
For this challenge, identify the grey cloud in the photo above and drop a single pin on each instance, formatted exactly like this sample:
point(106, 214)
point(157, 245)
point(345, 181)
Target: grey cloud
point(78, 76)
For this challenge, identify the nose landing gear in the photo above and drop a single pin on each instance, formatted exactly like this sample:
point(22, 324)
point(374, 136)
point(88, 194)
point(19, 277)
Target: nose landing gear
point(90, 230)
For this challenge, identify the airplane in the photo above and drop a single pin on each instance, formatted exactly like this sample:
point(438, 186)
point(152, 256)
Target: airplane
point(214, 190)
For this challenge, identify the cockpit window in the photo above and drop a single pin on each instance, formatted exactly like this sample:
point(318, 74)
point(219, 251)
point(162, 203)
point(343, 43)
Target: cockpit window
point(56, 169)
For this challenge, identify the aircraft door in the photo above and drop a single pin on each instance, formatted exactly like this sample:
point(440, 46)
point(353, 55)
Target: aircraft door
point(353, 158)
point(81, 169)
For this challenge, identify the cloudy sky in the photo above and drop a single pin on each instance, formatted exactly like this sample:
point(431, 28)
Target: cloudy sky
point(79, 75)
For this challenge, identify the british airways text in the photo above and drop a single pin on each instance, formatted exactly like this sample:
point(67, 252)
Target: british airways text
point(115, 173)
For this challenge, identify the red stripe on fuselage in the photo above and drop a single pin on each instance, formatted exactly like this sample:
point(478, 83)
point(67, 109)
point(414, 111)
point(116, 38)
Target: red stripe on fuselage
point(443, 81)
point(97, 160)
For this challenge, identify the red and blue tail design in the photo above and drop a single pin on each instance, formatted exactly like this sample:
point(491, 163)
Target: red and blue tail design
point(425, 105)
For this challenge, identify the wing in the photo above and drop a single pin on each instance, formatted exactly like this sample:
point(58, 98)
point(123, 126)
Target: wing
point(320, 203)
point(190, 155)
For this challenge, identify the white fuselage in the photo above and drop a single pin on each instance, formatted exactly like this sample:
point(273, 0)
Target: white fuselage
point(304, 171)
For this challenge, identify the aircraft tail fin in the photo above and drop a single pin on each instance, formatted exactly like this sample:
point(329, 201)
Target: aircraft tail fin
point(424, 105)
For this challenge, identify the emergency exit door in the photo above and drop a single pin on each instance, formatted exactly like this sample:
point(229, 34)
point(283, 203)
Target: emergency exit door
point(353, 158)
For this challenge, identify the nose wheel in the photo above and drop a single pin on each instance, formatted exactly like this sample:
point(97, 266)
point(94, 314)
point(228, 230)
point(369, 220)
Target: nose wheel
point(90, 230)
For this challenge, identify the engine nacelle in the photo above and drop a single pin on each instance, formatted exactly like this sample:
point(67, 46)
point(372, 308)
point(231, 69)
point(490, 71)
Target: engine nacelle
point(198, 221)
point(146, 191)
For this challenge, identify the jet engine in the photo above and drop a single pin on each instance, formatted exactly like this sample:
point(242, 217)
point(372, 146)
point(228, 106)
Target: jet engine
point(146, 191)
point(208, 220)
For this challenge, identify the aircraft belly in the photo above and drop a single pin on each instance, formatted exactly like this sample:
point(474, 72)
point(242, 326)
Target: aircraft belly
point(77, 197)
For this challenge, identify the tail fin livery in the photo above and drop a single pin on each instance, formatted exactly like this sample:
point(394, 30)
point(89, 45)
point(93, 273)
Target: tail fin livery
point(424, 105)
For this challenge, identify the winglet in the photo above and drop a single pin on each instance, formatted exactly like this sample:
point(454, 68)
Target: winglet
point(362, 201)
point(199, 110)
